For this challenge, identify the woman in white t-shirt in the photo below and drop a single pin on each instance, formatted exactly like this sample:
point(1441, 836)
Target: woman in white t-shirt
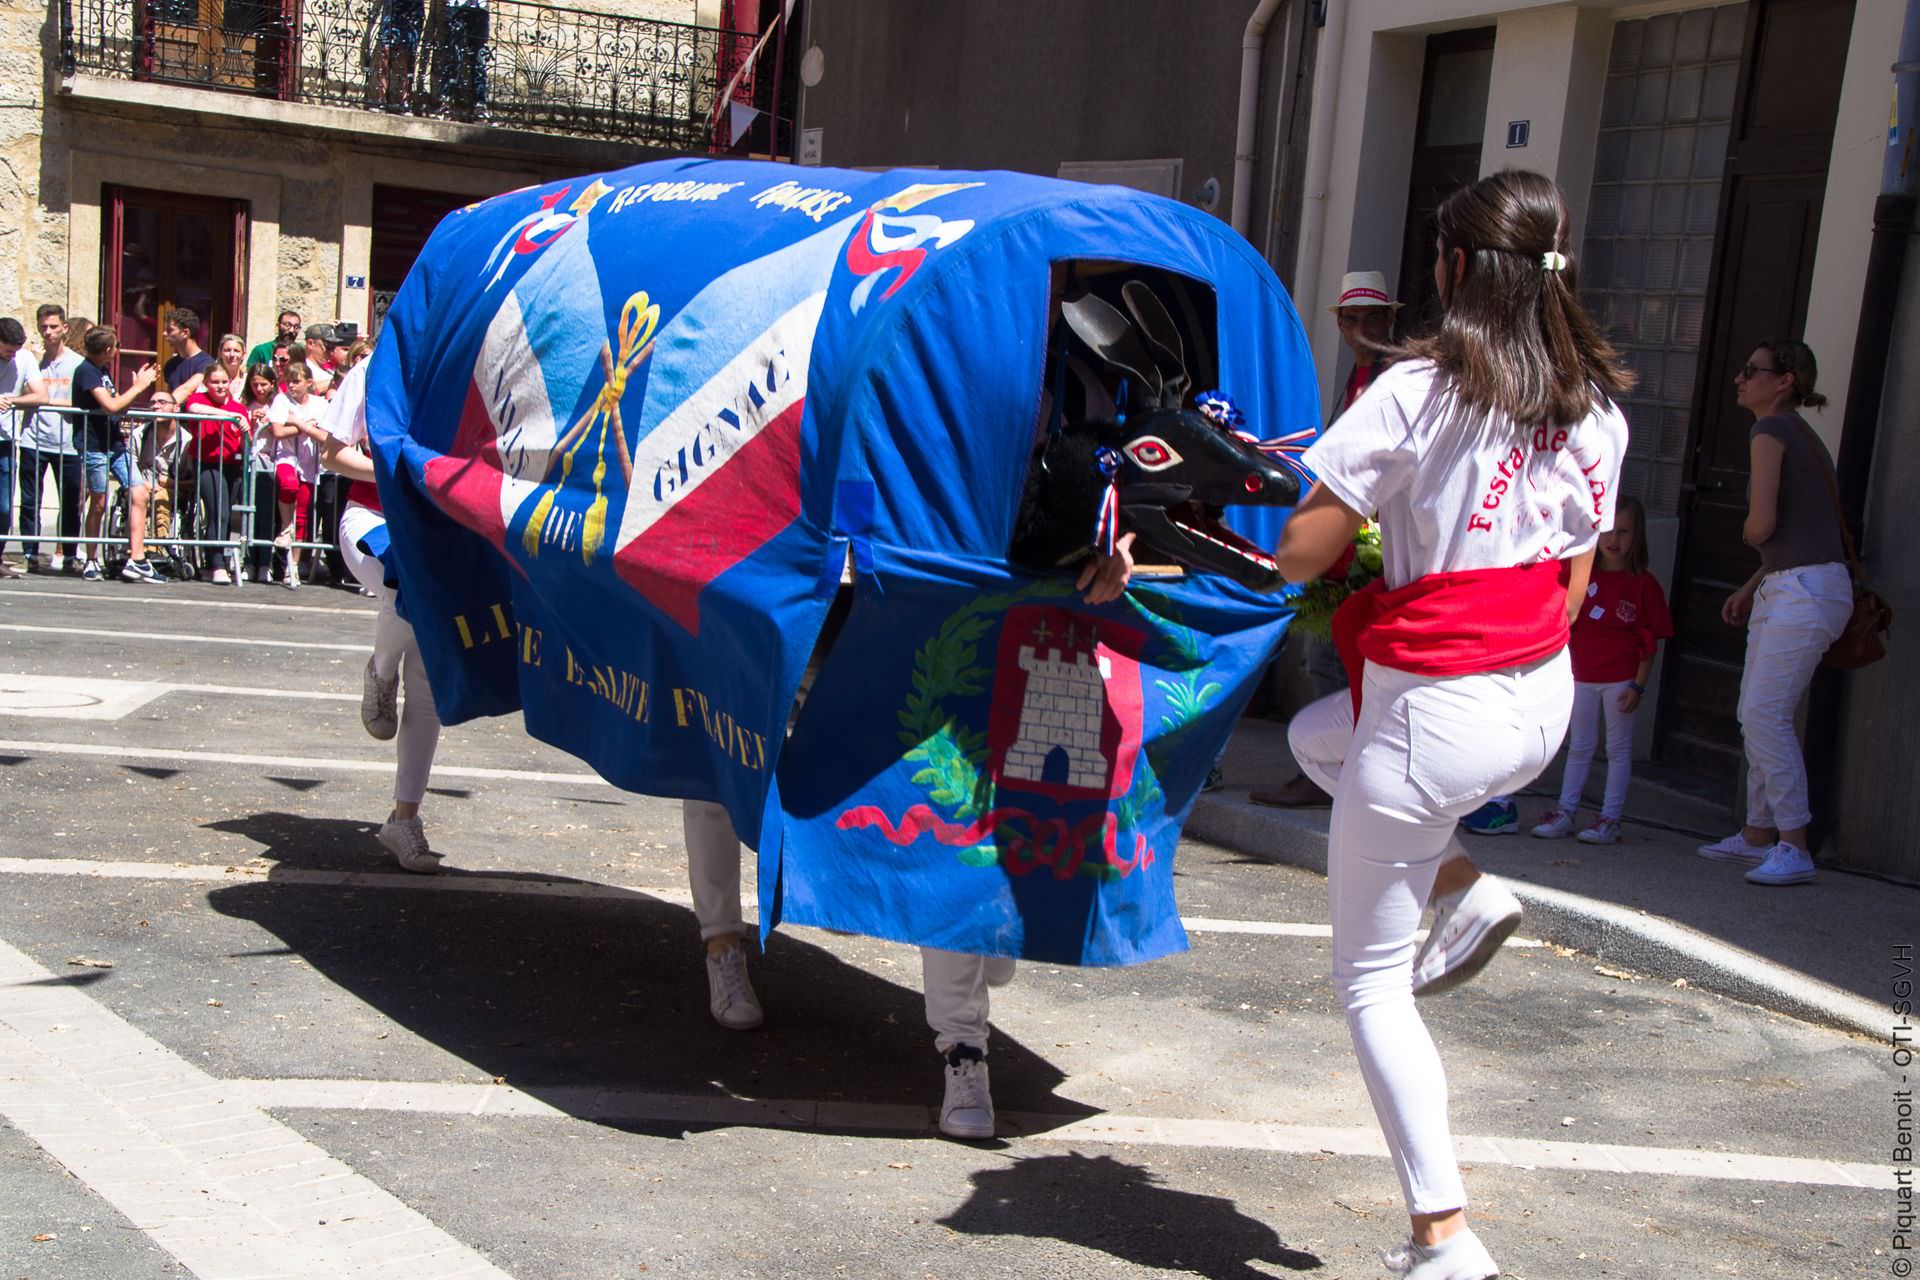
point(363, 539)
point(1491, 453)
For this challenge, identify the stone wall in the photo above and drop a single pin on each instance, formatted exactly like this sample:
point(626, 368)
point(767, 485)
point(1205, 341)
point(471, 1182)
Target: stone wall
point(305, 172)
point(32, 239)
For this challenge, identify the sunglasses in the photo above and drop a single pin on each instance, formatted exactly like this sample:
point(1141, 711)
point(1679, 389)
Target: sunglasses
point(1749, 369)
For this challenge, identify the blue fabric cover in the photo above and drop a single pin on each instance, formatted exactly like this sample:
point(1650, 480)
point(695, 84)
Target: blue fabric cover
point(630, 428)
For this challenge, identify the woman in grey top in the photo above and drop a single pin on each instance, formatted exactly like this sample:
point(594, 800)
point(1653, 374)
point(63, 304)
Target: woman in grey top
point(1794, 606)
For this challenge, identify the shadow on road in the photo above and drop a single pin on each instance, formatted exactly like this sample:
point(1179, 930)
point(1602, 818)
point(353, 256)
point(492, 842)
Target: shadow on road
point(1120, 1209)
point(563, 995)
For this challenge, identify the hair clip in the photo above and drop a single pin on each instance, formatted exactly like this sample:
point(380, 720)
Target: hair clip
point(1553, 260)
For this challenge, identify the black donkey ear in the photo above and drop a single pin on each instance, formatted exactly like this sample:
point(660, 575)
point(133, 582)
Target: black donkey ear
point(1163, 338)
point(1109, 336)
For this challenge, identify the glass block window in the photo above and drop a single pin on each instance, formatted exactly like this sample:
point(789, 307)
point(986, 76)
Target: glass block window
point(1656, 191)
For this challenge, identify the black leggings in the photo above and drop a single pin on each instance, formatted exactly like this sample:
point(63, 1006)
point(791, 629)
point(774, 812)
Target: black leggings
point(222, 486)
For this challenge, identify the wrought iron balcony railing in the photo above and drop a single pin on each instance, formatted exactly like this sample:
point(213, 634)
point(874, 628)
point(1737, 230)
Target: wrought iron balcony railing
point(508, 62)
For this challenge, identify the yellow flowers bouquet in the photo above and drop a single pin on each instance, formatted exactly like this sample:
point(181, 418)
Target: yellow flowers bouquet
point(1315, 605)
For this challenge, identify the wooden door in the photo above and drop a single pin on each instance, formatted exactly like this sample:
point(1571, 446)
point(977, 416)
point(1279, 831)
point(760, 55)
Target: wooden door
point(165, 250)
point(1775, 181)
point(1446, 156)
point(403, 218)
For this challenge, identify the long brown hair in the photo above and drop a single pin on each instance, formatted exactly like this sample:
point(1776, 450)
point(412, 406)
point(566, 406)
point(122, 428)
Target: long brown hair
point(1513, 337)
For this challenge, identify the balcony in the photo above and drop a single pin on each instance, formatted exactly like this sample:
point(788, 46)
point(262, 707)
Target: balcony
point(510, 63)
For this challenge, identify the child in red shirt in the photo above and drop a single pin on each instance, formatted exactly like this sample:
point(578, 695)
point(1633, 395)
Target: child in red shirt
point(219, 449)
point(1614, 639)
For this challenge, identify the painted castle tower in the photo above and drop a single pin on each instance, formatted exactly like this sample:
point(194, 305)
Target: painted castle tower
point(1065, 700)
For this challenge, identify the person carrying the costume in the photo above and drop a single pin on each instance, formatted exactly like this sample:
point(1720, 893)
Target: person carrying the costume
point(363, 544)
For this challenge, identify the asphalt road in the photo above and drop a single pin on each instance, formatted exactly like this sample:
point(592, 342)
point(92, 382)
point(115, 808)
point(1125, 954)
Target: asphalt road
point(236, 1041)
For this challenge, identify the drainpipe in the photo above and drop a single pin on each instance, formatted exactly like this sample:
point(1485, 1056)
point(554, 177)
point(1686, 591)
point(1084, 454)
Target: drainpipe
point(1893, 228)
point(1251, 44)
point(1330, 54)
point(1874, 343)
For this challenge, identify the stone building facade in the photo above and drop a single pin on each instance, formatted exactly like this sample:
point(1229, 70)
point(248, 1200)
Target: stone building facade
point(123, 191)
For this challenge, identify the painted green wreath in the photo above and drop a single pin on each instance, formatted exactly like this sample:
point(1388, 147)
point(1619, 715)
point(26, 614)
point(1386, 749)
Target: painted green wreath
point(953, 757)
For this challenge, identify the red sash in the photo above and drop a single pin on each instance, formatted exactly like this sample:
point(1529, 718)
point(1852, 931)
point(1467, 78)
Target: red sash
point(1449, 624)
point(366, 493)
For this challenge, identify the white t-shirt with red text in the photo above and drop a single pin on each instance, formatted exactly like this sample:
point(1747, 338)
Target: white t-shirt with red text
point(299, 450)
point(1462, 489)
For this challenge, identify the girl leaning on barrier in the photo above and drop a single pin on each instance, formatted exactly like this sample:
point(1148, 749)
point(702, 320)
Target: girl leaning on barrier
point(220, 457)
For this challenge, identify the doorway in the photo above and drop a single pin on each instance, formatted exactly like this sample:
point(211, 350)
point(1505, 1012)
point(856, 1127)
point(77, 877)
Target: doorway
point(1769, 218)
point(1446, 155)
point(164, 250)
point(403, 219)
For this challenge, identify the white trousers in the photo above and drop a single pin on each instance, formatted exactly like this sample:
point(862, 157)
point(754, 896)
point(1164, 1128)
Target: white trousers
point(1426, 751)
point(1593, 703)
point(1797, 614)
point(395, 651)
point(955, 984)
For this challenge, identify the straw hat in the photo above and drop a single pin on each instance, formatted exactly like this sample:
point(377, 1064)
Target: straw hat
point(1364, 289)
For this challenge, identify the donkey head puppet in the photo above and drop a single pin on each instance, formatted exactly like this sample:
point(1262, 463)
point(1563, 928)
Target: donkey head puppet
point(1163, 471)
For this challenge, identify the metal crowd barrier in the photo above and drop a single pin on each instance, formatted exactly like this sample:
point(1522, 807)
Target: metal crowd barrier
point(182, 518)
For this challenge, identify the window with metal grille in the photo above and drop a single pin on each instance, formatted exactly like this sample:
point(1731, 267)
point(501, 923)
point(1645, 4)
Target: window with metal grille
point(1649, 245)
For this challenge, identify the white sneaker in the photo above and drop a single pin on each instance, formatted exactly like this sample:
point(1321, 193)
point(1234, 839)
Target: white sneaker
point(1000, 970)
point(1555, 824)
point(1736, 849)
point(730, 992)
point(91, 571)
point(406, 840)
point(1603, 831)
point(1460, 1256)
point(139, 571)
point(379, 703)
point(1468, 928)
point(221, 577)
point(967, 1109)
point(1784, 864)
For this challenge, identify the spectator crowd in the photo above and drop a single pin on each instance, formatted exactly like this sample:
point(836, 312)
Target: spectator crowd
point(105, 464)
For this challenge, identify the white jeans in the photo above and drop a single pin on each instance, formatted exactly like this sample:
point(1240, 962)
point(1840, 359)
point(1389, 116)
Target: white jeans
point(1797, 614)
point(395, 652)
point(1427, 751)
point(1592, 703)
point(955, 984)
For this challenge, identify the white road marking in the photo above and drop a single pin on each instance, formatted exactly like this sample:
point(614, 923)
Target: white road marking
point(453, 880)
point(97, 597)
point(211, 1178)
point(74, 698)
point(310, 763)
point(255, 691)
point(450, 880)
point(182, 637)
point(625, 1106)
point(108, 686)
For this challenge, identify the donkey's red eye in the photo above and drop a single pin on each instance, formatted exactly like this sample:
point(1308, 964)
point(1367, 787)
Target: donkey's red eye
point(1151, 453)
point(1253, 483)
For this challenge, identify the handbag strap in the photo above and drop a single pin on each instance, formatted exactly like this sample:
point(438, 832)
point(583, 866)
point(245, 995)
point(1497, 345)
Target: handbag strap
point(1833, 488)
